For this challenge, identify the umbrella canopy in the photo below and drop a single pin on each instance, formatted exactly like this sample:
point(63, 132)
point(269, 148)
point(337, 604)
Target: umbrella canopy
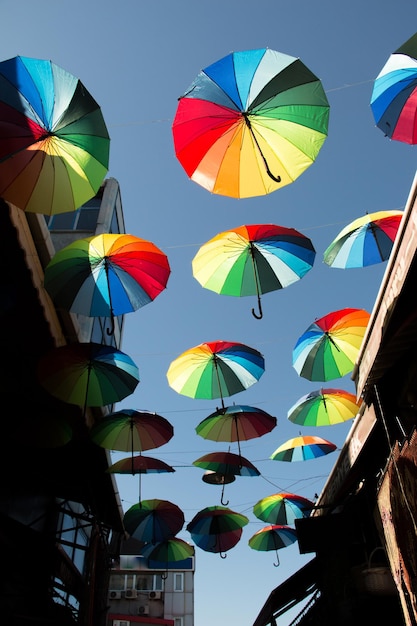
point(215, 369)
point(273, 537)
point(282, 508)
point(236, 423)
point(88, 374)
point(106, 275)
point(394, 94)
point(226, 463)
point(54, 148)
point(129, 430)
point(303, 448)
point(139, 465)
point(153, 520)
point(163, 553)
point(217, 528)
point(252, 260)
point(330, 345)
point(365, 241)
point(250, 123)
point(324, 407)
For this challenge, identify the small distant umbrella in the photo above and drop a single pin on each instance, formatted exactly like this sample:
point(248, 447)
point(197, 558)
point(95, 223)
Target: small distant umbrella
point(303, 449)
point(88, 374)
point(282, 508)
point(225, 464)
point(139, 465)
point(324, 407)
point(215, 369)
point(252, 260)
point(236, 423)
point(365, 241)
point(154, 520)
point(330, 345)
point(273, 537)
point(393, 100)
point(217, 529)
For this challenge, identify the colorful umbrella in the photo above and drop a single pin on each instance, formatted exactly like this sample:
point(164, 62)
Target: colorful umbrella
point(217, 529)
point(215, 370)
point(324, 407)
point(365, 241)
point(88, 374)
point(154, 520)
point(303, 449)
point(106, 275)
point(165, 553)
point(226, 464)
point(250, 123)
point(273, 537)
point(129, 430)
point(252, 260)
point(394, 94)
point(139, 465)
point(282, 508)
point(236, 423)
point(54, 147)
point(330, 345)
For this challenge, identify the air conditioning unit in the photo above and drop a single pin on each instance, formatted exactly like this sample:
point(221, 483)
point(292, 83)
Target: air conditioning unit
point(155, 595)
point(121, 622)
point(115, 595)
point(131, 593)
point(143, 609)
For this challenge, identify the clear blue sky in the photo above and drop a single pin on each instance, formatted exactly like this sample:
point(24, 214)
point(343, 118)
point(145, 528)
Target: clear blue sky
point(136, 58)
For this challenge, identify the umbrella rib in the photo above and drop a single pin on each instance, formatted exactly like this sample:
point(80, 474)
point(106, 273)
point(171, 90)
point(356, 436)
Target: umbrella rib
point(277, 179)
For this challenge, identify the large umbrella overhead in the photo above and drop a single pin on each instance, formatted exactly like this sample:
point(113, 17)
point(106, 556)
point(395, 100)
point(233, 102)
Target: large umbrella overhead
point(394, 94)
point(217, 528)
point(252, 260)
point(365, 241)
point(324, 407)
point(215, 369)
point(250, 123)
point(273, 537)
point(303, 448)
point(54, 146)
point(226, 464)
point(106, 275)
point(330, 345)
point(236, 423)
point(88, 374)
point(153, 520)
point(282, 508)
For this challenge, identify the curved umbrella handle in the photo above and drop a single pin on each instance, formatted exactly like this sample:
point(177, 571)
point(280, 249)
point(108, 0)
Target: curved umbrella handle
point(110, 331)
point(164, 576)
point(259, 315)
point(223, 555)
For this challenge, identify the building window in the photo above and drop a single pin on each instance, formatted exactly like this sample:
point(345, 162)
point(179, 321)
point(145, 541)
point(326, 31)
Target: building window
point(85, 218)
point(179, 582)
point(178, 621)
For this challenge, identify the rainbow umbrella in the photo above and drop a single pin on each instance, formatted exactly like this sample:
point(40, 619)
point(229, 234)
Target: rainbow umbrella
point(394, 94)
point(166, 554)
point(217, 529)
point(54, 148)
point(252, 260)
point(106, 275)
point(236, 423)
point(365, 241)
point(139, 464)
point(226, 464)
point(303, 448)
point(330, 345)
point(153, 520)
point(324, 407)
point(215, 369)
point(273, 537)
point(250, 123)
point(88, 374)
point(282, 508)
